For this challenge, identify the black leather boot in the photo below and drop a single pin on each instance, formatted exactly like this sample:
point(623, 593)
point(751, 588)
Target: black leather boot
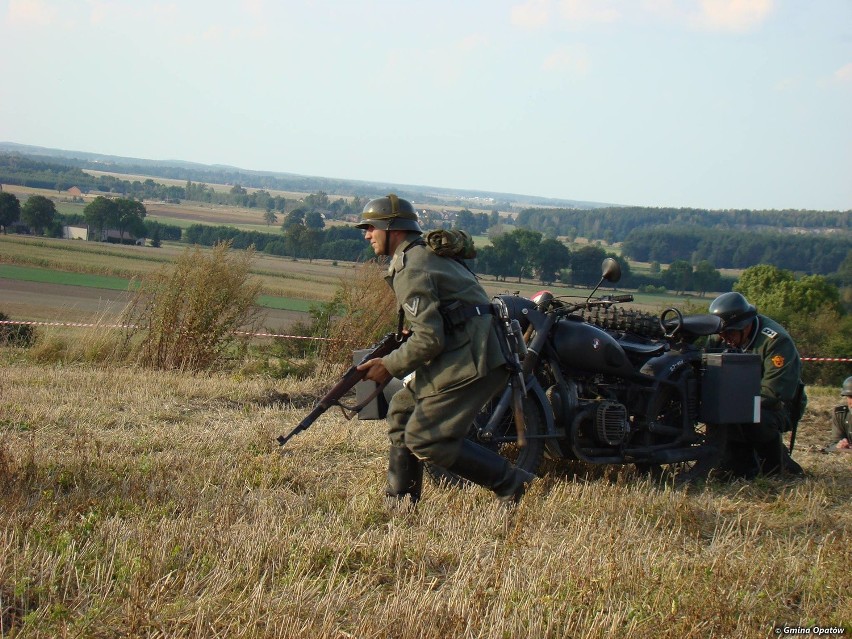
point(405, 475)
point(488, 469)
point(776, 459)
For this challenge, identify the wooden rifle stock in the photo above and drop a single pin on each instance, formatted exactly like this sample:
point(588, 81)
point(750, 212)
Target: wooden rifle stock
point(352, 376)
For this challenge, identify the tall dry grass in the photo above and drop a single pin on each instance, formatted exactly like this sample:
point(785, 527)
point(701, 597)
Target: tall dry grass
point(364, 311)
point(141, 503)
point(192, 313)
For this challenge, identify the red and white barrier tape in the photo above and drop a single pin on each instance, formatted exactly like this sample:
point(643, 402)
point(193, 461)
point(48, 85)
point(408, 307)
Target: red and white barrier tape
point(83, 325)
point(283, 336)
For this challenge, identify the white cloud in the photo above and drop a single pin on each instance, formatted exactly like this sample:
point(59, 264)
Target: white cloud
point(473, 41)
point(253, 7)
point(31, 13)
point(589, 11)
point(574, 59)
point(844, 74)
point(535, 14)
point(532, 14)
point(732, 15)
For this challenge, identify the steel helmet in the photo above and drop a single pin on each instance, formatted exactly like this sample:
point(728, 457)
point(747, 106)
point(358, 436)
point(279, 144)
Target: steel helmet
point(846, 389)
point(734, 311)
point(389, 213)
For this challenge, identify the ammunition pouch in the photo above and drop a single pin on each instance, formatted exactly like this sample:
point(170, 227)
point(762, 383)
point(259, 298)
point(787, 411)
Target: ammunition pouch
point(456, 313)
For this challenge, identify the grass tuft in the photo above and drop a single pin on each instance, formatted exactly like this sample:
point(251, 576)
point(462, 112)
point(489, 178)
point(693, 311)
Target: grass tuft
point(190, 315)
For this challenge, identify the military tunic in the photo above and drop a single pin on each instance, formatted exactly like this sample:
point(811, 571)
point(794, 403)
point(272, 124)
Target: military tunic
point(841, 426)
point(759, 447)
point(781, 370)
point(455, 371)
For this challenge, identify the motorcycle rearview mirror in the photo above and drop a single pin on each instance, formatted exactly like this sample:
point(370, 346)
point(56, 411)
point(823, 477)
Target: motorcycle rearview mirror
point(610, 272)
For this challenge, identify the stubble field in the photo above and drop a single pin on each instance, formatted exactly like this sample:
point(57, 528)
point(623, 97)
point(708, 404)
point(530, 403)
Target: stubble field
point(147, 504)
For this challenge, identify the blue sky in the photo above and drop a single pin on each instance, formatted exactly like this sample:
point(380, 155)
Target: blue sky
point(697, 103)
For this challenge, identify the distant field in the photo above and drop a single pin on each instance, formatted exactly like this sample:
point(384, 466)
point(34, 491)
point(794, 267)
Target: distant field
point(49, 276)
point(45, 278)
point(85, 272)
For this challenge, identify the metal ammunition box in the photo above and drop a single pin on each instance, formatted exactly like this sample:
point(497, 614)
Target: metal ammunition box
point(378, 407)
point(730, 388)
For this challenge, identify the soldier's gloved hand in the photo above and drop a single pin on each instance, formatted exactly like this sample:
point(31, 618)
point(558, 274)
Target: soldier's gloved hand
point(375, 370)
point(770, 403)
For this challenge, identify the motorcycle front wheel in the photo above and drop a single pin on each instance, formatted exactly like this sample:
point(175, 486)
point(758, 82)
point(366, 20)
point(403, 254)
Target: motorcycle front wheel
point(505, 441)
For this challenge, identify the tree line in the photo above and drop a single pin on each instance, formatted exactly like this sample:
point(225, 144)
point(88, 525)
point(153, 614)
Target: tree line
point(345, 243)
point(614, 224)
point(808, 253)
point(726, 239)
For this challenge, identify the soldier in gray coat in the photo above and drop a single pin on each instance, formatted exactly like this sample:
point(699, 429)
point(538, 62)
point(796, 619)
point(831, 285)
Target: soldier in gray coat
point(451, 370)
point(782, 398)
point(841, 421)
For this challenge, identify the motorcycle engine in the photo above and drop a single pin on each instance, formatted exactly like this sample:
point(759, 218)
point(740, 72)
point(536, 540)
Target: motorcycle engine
point(612, 427)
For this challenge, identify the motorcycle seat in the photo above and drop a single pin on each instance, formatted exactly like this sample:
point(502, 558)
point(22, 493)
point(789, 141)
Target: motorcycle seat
point(644, 349)
point(701, 325)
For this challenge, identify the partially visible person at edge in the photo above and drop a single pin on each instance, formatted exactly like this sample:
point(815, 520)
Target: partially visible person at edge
point(761, 449)
point(456, 368)
point(841, 422)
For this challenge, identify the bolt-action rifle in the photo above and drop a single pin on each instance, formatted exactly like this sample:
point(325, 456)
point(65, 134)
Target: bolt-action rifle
point(386, 345)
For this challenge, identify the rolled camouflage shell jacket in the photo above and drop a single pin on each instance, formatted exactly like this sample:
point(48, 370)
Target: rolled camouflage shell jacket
point(441, 359)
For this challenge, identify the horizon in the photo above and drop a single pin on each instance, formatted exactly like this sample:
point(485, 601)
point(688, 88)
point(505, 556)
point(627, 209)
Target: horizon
point(708, 104)
point(462, 193)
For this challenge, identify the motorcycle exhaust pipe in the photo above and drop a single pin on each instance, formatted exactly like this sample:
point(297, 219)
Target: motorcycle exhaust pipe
point(677, 455)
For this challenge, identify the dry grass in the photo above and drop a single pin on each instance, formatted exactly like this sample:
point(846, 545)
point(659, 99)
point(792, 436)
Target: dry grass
point(188, 315)
point(366, 311)
point(138, 503)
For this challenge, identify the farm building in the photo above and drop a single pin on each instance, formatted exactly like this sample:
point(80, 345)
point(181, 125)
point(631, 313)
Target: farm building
point(75, 232)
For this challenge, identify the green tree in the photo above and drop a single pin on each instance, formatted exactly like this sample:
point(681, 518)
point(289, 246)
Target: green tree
point(156, 235)
point(465, 221)
point(311, 243)
point(759, 285)
point(294, 239)
point(505, 257)
point(678, 276)
point(809, 308)
point(313, 220)
point(38, 212)
point(10, 210)
point(551, 258)
point(318, 200)
point(269, 217)
point(130, 217)
point(705, 277)
point(100, 214)
point(586, 265)
point(296, 217)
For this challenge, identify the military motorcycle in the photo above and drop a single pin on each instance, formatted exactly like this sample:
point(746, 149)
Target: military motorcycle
point(612, 386)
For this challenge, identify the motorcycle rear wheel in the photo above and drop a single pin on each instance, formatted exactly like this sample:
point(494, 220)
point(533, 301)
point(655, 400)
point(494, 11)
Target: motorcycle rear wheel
point(527, 457)
point(709, 445)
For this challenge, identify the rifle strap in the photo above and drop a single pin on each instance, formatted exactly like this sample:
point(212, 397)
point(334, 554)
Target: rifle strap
point(354, 410)
point(399, 323)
